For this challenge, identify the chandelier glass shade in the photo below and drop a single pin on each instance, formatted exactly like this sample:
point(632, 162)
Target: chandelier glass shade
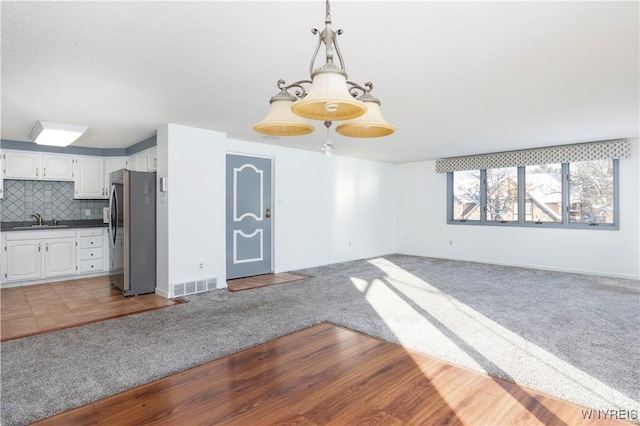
point(329, 98)
point(281, 121)
point(370, 124)
point(332, 97)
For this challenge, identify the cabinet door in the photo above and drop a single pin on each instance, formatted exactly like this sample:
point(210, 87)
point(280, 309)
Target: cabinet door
point(21, 165)
point(89, 178)
point(138, 162)
point(112, 164)
point(60, 256)
point(57, 167)
point(1, 173)
point(24, 260)
point(152, 159)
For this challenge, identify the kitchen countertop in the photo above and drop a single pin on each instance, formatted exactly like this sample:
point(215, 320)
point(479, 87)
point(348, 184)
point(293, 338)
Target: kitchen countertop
point(69, 224)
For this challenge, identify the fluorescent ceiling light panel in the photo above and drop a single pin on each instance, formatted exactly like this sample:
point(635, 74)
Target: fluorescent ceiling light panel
point(56, 134)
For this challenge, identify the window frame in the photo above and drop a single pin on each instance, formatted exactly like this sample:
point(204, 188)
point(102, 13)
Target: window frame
point(521, 222)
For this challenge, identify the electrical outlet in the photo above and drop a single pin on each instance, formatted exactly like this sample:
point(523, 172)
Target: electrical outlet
point(450, 242)
point(87, 212)
point(200, 266)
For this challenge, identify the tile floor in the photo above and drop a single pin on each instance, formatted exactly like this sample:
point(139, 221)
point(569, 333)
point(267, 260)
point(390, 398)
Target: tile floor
point(35, 309)
point(257, 281)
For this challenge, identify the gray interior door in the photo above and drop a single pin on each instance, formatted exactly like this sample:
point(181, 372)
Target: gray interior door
point(248, 216)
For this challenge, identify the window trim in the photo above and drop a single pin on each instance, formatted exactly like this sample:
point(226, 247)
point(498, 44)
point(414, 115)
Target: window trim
point(521, 222)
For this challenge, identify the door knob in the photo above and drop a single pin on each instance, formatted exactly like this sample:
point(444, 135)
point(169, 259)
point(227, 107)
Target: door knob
point(268, 213)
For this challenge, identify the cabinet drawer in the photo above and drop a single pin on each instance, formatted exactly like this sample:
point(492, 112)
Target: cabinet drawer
point(89, 242)
point(90, 253)
point(91, 232)
point(90, 265)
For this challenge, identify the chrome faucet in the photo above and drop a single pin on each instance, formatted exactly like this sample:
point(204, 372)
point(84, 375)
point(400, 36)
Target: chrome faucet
point(38, 218)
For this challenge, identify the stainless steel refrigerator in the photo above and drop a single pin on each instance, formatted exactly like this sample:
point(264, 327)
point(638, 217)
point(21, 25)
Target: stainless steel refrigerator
point(132, 231)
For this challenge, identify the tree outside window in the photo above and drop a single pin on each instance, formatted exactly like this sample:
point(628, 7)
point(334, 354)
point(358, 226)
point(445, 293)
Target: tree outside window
point(591, 192)
point(502, 194)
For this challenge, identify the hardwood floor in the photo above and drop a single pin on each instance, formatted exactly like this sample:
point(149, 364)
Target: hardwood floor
point(35, 309)
point(327, 375)
point(258, 281)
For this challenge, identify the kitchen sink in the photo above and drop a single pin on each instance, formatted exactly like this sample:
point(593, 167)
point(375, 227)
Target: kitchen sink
point(41, 226)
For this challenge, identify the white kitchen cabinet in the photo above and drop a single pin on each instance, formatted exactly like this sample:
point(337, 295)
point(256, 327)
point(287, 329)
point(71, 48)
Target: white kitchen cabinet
point(89, 178)
point(57, 167)
point(138, 162)
point(112, 164)
point(59, 256)
point(24, 260)
point(29, 165)
point(21, 165)
point(1, 174)
point(39, 254)
point(152, 159)
point(90, 250)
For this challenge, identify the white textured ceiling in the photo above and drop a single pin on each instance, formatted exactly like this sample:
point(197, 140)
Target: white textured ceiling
point(454, 77)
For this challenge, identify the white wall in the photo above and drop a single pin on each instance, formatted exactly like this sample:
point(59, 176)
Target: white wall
point(422, 229)
point(191, 219)
point(327, 209)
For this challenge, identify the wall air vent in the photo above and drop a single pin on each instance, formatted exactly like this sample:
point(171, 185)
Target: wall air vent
point(192, 287)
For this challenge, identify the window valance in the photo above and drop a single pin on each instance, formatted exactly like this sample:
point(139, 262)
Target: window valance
point(620, 148)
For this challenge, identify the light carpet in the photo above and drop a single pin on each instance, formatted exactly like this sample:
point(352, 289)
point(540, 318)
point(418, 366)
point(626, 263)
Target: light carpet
point(569, 335)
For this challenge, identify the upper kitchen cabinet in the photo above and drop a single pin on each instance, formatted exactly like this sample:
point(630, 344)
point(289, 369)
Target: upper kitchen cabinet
point(152, 159)
point(144, 161)
point(138, 162)
point(21, 165)
point(89, 178)
point(1, 175)
point(29, 165)
point(112, 164)
point(57, 167)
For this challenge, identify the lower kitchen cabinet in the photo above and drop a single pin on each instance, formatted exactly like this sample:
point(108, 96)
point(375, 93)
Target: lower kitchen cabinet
point(41, 254)
point(24, 260)
point(59, 256)
point(90, 250)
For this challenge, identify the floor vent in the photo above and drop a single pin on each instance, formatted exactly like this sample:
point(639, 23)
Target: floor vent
point(192, 287)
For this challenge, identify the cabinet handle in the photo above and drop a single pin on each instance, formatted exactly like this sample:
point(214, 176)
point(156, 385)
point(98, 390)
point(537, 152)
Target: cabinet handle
point(46, 245)
point(40, 247)
point(155, 162)
point(44, 172)
point(91, 254)
point(36, 172)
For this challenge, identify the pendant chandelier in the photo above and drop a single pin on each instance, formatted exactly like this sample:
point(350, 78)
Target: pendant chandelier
point(332, 97)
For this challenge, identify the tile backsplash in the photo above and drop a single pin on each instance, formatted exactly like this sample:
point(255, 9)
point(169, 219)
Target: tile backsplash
point(23, 198)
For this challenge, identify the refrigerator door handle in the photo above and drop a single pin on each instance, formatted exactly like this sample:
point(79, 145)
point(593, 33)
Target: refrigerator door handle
point(113, 216)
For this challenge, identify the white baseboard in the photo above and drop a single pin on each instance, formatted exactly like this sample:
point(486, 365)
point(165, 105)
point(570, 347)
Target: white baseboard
point(531, 266)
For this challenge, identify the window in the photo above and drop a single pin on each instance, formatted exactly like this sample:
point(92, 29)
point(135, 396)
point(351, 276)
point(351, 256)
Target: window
point(579, 194)
point(565, 186)
point(591, 192)
point(502, 194)
point(543, 193)
point(466, 195)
